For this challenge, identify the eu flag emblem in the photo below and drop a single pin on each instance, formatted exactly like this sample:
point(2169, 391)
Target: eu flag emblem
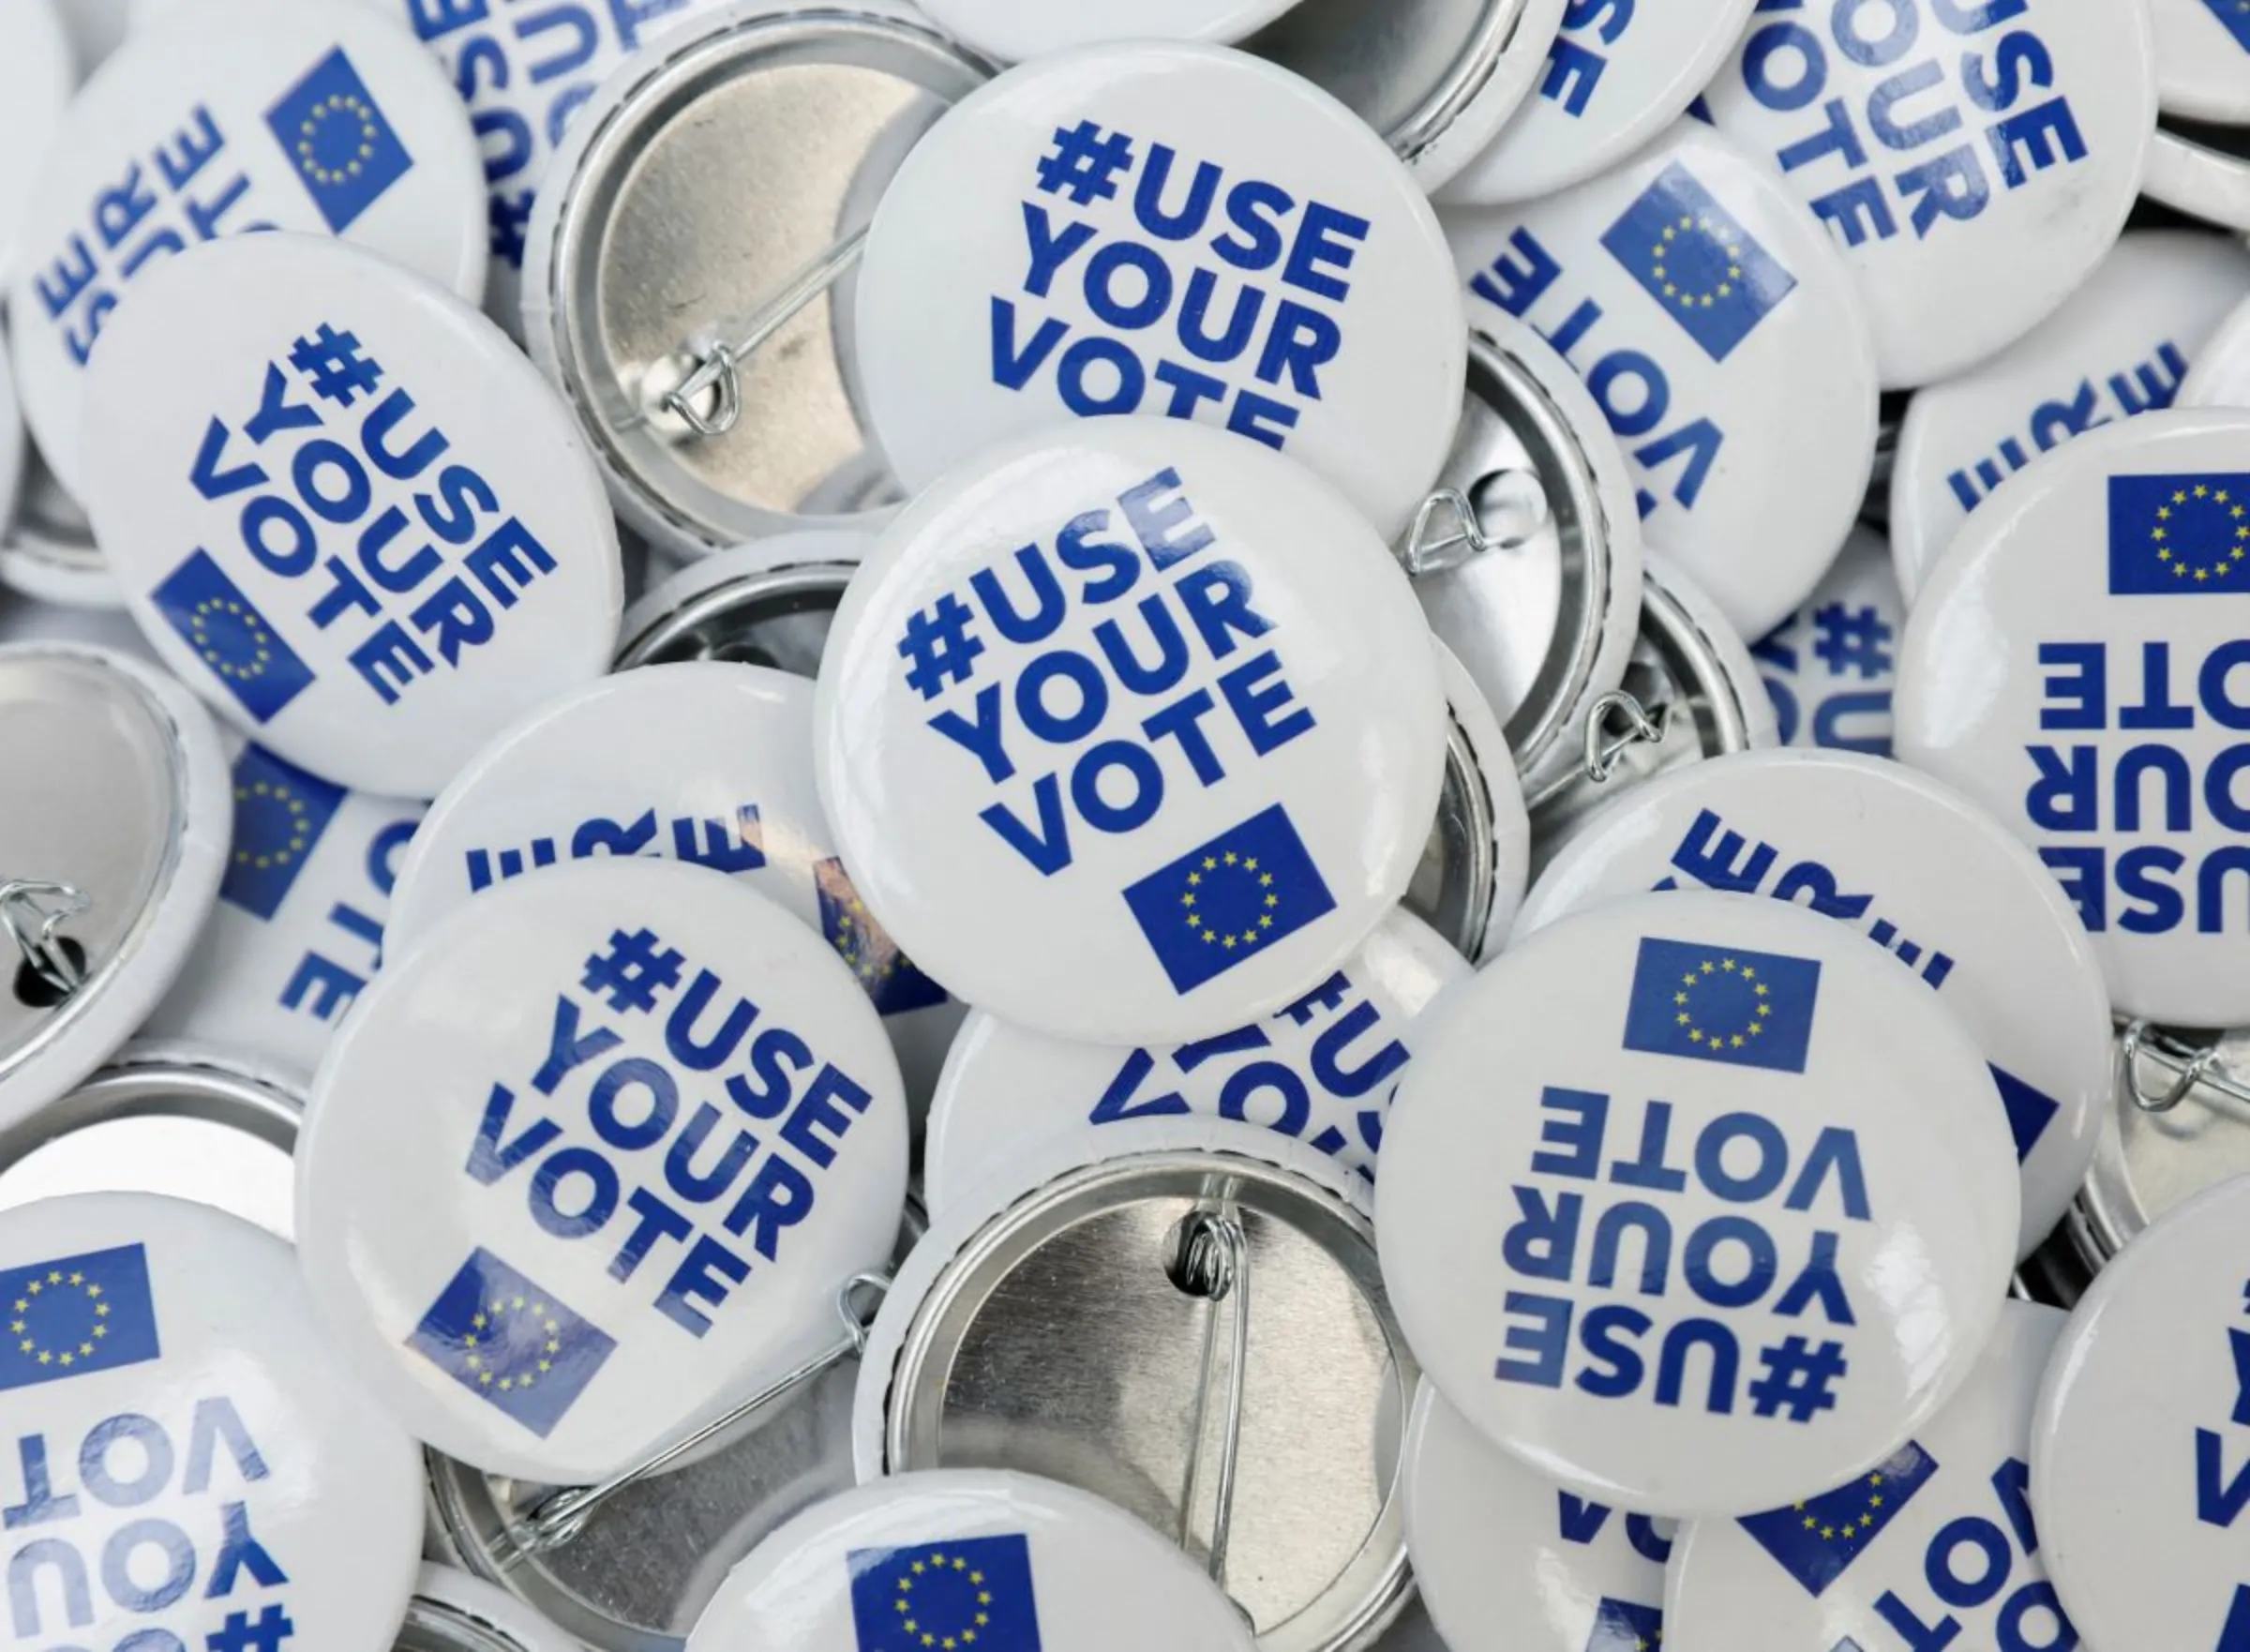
point(1719, 1003)
point(511, 1343)
point(1230, 899)
point(1626, 1626)
point(76, 1315)
point(886, 975)
point(1704, 270)
point(2178, 535)
point(279, 814)
point(2235, 16)
point(2029, 1107)
point(228, 634)
point(344, 151)
point(967, 1595)
point(1815, 1542)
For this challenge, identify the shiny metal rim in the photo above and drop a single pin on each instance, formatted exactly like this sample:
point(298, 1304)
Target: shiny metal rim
point(726, 610)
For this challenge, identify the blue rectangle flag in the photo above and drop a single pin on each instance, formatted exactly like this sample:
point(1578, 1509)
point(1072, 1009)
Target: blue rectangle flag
point(2234, 15)
point(230, 636)
point(2178, 535)
point(338, 141)
point(1704, 270)
point(1626, 1626)
point(1718, 1003)
point(971, 1594)
point(279, 814)
point(75, 1316)
point(887, 975)
point(1816, 1540)
point(510, 1342)
point(1230, 899)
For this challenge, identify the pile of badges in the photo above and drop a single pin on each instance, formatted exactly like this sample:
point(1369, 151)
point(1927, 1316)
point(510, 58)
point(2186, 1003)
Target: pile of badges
point(1103, 825)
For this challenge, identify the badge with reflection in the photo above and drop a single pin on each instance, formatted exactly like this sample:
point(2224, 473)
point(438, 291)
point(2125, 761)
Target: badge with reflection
point(1718, 1003)
point(1626, 1626)
point(511, 1343)
point(279, 814)
point(2029, 1110)
point(886, 975)
point(1230, 899)
point(77, 1316)
point(2234, 15)
point(1816, 1541)
point(1706, 272)
point(2178, 535)
point(963, 1594)
point(338, 141)
point(231, 637)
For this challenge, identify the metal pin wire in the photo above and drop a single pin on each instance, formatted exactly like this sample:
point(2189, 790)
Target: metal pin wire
point(33, 925)
point(718, 367)
point(2189, 1064)
point(1429, 550)
point(1643, 728)
point(1215, 1264)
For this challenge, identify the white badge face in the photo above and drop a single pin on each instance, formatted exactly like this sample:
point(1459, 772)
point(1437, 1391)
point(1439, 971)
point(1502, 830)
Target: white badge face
point(312, 115)
point(984, 1559)
point(1695, 1203)
point(1320, 1071)
point(13, 450)
point(346, 510)
point(1016, 30)
point(455, 1595)
point(2120, 345)
point(37, 77)
point(595, 1163)
point(1830, 668)
point(1925, 875)
point(1720, 333)
point(2220, 374)
point(2203, 179)
point(1506, 1562)
point(2203, 58)
point(1166, 719)
point(1616, 76)
point(1171, 229)
point(2138, 1443)
point(1974, 157)
point(188, 1461)
point(1936, 1545)
point(2075, 665)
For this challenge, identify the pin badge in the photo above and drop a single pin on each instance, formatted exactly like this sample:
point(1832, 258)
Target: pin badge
point(1017, 30)
point(2199, 169)
point(1830, 668)
point(452, 1611)
point(37, 78)
point(2219, 376)
point(1477, 858)
point(764, 604)
point(1634, 1189)
point(197, 1467)
point(282, 394)
point(1162, 228)
point(2202, 59)
point(2174, 1131)
point(1189, 803)
point(1721, 336)
point(46, 552)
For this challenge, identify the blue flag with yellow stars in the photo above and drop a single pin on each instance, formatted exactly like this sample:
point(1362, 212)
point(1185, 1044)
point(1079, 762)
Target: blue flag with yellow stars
point(279, 814)
point(1704, 270)
point(1230, 899)
point(962, 1594)
point(2235, 15)
point(2178, 535)
point(511, 1343)
point(338, 141)
point(75, 1316)
point(1626, 1626)
point(230, 636)
point(1815, 1542)
point(1716, 1004)
point(886, 975)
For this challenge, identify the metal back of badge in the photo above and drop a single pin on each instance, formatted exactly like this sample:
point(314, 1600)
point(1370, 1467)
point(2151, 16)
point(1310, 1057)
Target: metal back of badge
point(2181, 1125)
point(432, 1625)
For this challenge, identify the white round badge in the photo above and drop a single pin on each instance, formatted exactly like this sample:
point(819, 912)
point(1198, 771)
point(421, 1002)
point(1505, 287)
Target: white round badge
point(1695, 1203)
point(312, 115)
point(192, 1464)
point(346, 510)
point(2120, 345)
point(2071, 666)
point(2219, 376)
point(1935, 1545)
point(595, 1163)
point(2203, 58)
point(452, 1611)
point(37, 77)
point(1164, 229)
point(1720, 333)
point(1017, 30)
point(1974, 161)
point(1830, 668)
point(2138, 1439)
point(982, 1557)
point(1166, 719)
point(13, 448)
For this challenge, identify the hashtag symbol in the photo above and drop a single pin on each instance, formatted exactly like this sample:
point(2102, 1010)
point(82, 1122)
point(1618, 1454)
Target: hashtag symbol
point(1086, 163)
point(940, 647)
point(633, 972)
point(1846, 639)
point(510, 216)
point(239, 1634)
point(1797, 1378)
point(332, 362)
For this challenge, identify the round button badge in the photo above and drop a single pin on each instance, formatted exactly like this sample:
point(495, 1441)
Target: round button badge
point(1164, 229)
point(1016, 30)
point(1663, 1210)
point(1720, 333)
point(1164, 715)
point(37, 78)
point(1830, 668)
point(346, 510)
point(594, 1164)
point(2203, 58)
point(2219, 376)
point(1971, 190)
point(2071, 666)
point(452, 1611)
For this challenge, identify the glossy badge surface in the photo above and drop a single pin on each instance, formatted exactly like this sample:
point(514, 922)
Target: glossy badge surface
point(2203, 58)
point(1166, 719)
point(346, 510)
point(1019, 29)
point(1830, 668)
point(2074, 665)
point(37, 78)
point(1695, 1203)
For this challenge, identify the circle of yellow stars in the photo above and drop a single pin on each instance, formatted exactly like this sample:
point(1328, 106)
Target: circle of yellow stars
point(336, 103)
point(963, 1636)
point(863, 946)
point(19, 1323)
point(201, 625)
point(1722, 1041)
point(1249, 933)
point(1828, 1531)
point(1722, 234)
point(2219, 567)
point(490, 1320)
point(300, 820)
